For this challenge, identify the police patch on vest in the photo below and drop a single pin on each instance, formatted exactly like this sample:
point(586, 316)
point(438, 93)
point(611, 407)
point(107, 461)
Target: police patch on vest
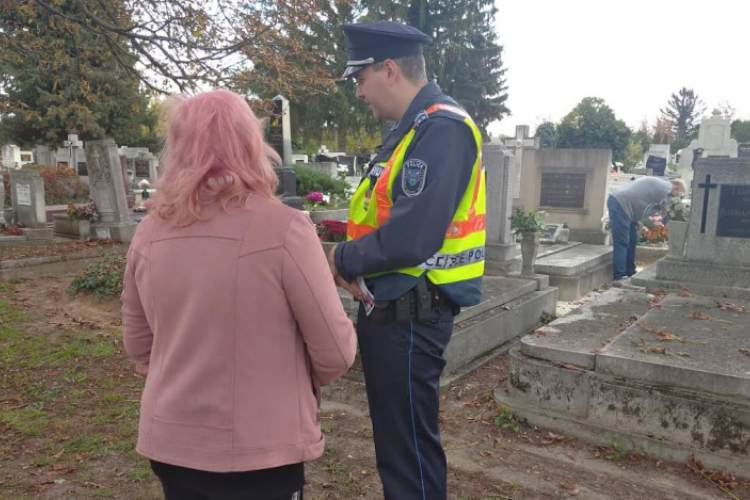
point(413, 177)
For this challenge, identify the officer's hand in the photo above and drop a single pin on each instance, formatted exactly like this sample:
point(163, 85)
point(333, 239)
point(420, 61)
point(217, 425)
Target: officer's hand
point(352, 288)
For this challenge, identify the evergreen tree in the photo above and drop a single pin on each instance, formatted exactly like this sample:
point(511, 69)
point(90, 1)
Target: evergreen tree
point(682, 112)
point(59, 78)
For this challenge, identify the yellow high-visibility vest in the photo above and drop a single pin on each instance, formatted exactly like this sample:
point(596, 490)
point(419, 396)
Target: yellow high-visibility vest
point(461, 256)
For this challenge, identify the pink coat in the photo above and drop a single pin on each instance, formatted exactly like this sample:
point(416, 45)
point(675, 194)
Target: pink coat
point(236, 322)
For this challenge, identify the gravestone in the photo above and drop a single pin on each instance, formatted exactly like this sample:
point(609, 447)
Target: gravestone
point(517, 146)
point(280, 129)
point(127, 182)
point(712, 250)
point(550, 233)
point(571, 186)
point(501, 249)
point(743, 150)
point(43, 155)
point(713, 139)
point(2, 203)
point(658, 151)
point(108, 191)
point(656, 165)
point(27, 200)
point(287, 188)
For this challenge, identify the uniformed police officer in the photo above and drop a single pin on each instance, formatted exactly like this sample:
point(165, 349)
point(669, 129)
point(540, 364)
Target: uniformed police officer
point(416, 233)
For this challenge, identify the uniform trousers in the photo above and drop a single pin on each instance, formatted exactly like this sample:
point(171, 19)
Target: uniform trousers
point(402, 362)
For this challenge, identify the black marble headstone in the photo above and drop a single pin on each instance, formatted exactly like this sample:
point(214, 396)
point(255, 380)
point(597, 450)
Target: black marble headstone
point(287, 188)
point(276, 129)
point(657, 165)
point(82, 169)
point(563, 190)
point(142, 169)
point(743, 150)
point(734, 211)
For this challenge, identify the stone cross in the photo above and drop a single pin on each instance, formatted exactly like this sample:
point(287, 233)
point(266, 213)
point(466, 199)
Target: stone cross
point(280, 134)
point(516, 145)
point(72, 143)
point(707, 186)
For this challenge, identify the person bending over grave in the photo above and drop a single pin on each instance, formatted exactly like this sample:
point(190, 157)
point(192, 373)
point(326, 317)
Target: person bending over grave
point(627, 207)
point(230, 312)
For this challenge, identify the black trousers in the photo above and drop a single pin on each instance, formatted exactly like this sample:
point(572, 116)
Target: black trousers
point(181, 483)
point(402, 363)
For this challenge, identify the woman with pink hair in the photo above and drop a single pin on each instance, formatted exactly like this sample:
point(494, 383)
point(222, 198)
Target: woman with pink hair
point(230, 313)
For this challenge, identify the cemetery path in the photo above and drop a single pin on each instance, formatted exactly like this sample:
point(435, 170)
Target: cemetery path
point(69, 405)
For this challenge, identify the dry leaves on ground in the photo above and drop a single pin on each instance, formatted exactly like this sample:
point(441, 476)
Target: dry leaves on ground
point(724, 480)
point(663, 336)
point(706, 317)
point(571, 488)
point(745, 351)
point(686, 292)
point(727, 306)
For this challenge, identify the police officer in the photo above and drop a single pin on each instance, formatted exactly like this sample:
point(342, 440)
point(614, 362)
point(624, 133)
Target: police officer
point(416, 233)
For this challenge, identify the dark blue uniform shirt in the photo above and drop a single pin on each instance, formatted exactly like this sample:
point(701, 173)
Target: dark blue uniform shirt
point(416, 230)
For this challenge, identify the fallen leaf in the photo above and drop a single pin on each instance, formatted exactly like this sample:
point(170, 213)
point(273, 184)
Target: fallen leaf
point(663, 336)
point(571, 455)
point(726, 306)
point(657, 350)
point(745, 351)
point(567, 366)
point(700, 315)
point(686, 292)
point(574, 493)
point(566, 486)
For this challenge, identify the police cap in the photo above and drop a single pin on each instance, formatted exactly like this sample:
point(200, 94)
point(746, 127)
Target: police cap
point(376, 41)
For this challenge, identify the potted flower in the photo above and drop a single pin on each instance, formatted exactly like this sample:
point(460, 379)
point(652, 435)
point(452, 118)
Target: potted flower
point(529, 224)
point(81, 218)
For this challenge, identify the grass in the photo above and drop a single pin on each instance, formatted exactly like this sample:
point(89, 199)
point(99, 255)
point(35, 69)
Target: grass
point(71, 401)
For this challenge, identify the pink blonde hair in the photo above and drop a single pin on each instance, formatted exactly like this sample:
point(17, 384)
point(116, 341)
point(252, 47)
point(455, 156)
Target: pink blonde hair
point(214, 152)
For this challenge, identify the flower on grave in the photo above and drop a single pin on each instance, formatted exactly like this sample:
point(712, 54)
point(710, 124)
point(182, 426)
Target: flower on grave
point(331, 231)
point(144, 184)
point(315, 197)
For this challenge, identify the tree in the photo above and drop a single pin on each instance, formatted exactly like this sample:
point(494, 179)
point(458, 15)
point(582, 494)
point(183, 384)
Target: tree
point(593, 125)
point(184, 44)
point(643, 135)
point(58, 78)
point(547, 134)
point(682, 113)
point(663, 132)
point(741, 130)
point(464, 57)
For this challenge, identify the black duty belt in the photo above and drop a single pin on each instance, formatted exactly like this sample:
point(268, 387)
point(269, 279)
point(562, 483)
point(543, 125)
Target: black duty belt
point(418, 303)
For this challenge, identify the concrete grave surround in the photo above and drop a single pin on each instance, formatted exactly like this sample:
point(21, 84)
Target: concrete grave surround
point(582, 377)
point(714, 138)
point(501, 250)
point(108, 191)
point(585, 222)
point(2, 205)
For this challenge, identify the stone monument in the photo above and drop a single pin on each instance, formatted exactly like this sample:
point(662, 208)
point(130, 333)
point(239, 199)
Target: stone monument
point(571, 186)
point(29, 209)
point(502, 255)
point(714, 139)
point(108, 191)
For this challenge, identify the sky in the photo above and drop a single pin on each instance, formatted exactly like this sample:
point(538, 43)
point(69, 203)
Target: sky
point(633, 54)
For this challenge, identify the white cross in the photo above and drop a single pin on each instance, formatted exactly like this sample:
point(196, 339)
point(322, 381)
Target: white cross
point(71, 144)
